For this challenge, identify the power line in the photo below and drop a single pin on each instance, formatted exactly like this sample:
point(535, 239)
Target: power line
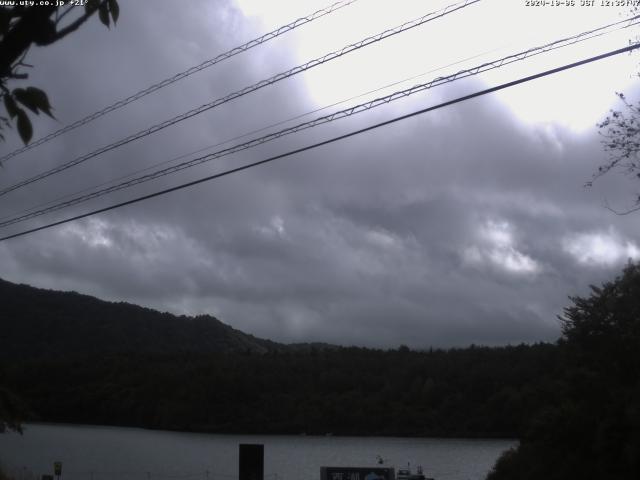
point(184, 74)
point(252, 88)
point(331, 117)
point(329, 141)
point(238, 137)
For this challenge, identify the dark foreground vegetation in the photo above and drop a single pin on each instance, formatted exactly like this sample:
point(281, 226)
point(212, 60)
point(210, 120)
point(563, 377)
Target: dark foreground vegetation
point(74, 358)
point(591, 428)
point(574, 404)
point(472, 392)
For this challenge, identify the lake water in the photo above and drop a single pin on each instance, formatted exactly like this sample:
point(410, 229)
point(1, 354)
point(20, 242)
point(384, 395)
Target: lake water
point(105, 453)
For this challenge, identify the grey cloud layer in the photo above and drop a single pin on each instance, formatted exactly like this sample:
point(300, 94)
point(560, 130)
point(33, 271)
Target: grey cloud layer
point(454, 228)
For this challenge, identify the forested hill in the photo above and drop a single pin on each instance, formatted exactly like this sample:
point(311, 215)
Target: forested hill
point(574, 404)
point(44, 323)
point(74, 358)
point(474, 392)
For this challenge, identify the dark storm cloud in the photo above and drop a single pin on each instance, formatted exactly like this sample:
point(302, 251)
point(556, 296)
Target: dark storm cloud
point(463, 226)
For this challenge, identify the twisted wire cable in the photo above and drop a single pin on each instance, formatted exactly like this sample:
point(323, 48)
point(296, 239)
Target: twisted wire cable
point(252, 88)
point(629, 48)
point(179, 76)
point(363, 107)
point(243, 135)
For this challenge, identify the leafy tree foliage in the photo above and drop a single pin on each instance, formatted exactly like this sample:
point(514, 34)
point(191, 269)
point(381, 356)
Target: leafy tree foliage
point(45, 323)
point(12, 411)
point(36, 323)
point(620, 133)
point(474, 392)
point(575, 405)
point(74, 358)
point(23, 26)
point(591, 430)
point(621, 140)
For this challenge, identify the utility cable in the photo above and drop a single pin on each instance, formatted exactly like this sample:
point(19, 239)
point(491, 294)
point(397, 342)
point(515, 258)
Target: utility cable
point(252, 88)
point(179, 76)
point(502, 86)
point(327, 118)
point(238, 137)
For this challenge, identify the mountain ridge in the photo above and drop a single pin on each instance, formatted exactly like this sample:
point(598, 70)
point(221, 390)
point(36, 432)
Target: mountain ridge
point(38, 322)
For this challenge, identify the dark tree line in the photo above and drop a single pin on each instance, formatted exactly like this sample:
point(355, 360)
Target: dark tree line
point(591, 430)
point(473, 392)
point(575, 404)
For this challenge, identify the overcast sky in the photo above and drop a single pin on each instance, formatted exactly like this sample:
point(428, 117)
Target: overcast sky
point(469, 224)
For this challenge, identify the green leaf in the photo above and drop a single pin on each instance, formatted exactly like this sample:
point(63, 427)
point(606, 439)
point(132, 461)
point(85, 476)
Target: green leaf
point(34, 99)
point(5, 20)
point(40, 100)
point(114, 8)
point(45, 32)
point(103, 13)
point(24, 126)
point(25, 99)
point(90, 7)
point(43, 101)
point(10, 105)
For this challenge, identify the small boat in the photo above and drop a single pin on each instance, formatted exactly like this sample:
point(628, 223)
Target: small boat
point(380, 472)
point(405, 474)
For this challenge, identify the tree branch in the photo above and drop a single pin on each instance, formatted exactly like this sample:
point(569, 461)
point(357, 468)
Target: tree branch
point(64, 14)
point(21, 36)
point(77, 23)
point(621, 213)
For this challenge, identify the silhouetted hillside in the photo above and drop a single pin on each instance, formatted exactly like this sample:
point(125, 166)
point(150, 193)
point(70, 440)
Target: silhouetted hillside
point(46, 323)
point(74, 358)
point(71, 358)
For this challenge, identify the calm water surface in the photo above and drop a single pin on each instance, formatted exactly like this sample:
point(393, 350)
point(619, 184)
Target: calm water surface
point(102, 453)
